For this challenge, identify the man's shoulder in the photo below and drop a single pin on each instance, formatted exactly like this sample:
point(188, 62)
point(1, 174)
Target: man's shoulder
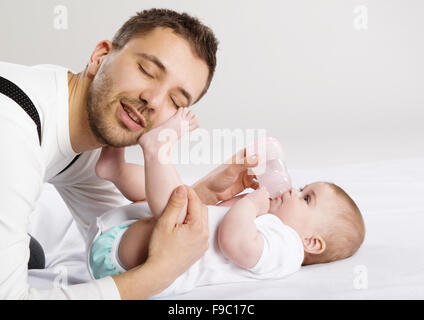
point(46, 87)
point(39, 82)
point(19, 72)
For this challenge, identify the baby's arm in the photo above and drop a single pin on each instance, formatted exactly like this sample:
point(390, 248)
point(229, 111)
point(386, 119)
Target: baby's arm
point(238, 238)
point(127, 177)
point(161, 176)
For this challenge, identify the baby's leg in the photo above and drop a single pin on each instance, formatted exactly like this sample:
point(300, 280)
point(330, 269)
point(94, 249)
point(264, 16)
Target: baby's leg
point(127, 177)
point(134, 245)
point(161, 176)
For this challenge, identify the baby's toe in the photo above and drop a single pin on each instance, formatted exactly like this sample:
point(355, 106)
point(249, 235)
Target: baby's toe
point(194, 124)
point(192, 117)
point(184, 112)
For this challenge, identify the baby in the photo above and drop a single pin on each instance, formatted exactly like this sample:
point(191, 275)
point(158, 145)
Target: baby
point(254, 237)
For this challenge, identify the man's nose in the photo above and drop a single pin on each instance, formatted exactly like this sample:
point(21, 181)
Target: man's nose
point(152, 99)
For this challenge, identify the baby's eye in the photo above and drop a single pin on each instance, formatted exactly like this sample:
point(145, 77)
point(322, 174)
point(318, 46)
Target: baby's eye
point(307, 198)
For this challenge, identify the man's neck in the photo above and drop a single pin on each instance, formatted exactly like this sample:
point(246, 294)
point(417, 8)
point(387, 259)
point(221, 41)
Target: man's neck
point(82, 138)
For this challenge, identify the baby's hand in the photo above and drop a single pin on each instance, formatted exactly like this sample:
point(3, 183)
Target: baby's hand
point(260, 197)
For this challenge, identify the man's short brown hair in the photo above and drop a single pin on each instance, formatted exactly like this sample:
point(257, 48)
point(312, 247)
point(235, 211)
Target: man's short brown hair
point(200, 37)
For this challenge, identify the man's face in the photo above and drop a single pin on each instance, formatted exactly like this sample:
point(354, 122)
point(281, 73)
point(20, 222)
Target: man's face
point(147, 80)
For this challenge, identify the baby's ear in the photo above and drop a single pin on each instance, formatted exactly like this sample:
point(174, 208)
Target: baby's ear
point(314, 244)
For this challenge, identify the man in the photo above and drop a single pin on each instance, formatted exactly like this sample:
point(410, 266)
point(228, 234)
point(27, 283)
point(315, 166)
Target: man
point(158, 61)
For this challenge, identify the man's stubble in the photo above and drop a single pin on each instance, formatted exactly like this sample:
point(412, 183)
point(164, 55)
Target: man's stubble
point(107, 128)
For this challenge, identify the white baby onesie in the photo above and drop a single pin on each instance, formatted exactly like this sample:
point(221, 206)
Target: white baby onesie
point(282, 254)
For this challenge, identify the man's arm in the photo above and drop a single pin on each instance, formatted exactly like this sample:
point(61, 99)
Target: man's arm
point(238, 238)
point(21, 174)
point(21, 180)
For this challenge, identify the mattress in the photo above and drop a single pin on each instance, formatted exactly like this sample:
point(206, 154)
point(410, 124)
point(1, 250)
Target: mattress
point(389, 264)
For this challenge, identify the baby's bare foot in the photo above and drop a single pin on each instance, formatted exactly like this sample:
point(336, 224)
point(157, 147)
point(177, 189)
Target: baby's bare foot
point(109, 163)
point(260, 197)
point(182, 122)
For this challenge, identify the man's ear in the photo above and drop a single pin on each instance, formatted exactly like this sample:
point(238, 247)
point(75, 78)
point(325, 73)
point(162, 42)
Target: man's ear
point(102, 49)
point(314, 244)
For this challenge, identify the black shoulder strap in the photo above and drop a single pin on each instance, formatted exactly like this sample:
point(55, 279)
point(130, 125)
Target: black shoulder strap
point(70, 163)
point(15, 93)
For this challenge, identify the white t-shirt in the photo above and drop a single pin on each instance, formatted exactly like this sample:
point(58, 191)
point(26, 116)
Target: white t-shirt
point(282, 254)
point(24, 167)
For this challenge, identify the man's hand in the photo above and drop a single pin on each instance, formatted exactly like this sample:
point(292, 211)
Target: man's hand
point(227, 180)
point(173, 247)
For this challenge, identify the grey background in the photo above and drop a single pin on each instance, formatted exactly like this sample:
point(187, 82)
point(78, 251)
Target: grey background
point(331, 93)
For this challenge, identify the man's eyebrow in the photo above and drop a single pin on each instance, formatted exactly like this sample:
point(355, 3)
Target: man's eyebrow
point(153, 59)
point(160, 65)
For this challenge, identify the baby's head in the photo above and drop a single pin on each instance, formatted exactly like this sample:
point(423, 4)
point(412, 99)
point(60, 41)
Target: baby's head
point(325, 217)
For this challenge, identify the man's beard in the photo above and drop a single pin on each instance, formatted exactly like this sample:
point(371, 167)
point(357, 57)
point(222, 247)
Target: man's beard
point(102, 115)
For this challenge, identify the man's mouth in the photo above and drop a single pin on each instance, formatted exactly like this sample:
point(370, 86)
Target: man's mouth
point(134, 115)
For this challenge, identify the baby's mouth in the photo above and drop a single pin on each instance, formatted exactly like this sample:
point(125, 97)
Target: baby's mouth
point(275, 203)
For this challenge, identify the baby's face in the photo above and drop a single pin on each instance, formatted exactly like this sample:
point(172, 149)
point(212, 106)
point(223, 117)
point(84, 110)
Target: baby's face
point(305, 209)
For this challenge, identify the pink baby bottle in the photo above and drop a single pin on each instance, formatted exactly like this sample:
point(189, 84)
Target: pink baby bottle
point(271, 171)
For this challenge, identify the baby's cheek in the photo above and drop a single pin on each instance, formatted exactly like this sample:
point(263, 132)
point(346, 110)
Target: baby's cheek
point(289, 213)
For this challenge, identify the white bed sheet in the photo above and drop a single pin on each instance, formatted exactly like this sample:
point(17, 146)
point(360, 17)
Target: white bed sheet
point(389, 265)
